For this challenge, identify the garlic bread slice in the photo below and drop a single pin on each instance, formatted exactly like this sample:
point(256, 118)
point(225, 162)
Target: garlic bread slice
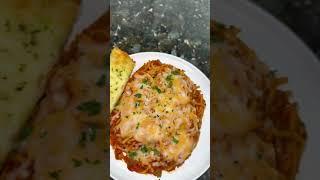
point(32, 33)
point(121, 66)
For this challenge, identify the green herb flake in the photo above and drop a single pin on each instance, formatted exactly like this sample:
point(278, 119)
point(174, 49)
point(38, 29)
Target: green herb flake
point(101, 81)
point(55, 174)
point(96, 162)
point(138, 125)
point(176, 72)
point(174, 140)
point(25, 132)
point(169, 80)
point(22, 67)
point(169, 77)
point(144, 149)
point(157, 89)
point(259, 155)
point(136, 104)
point(21, 86)
point(76, 163)
point(132, 154)
point(82, 139)
point(155, 151)
point(22, 27)
point(92, 134)
point(91, 107)
point(7, 25)
point(138, 95)
point(145, 81)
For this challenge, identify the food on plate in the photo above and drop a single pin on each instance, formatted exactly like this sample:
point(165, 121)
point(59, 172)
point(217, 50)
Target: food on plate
point(156, 123)
point(66, 137)
point(121, 66)
point(32, 34)
point(257, 130)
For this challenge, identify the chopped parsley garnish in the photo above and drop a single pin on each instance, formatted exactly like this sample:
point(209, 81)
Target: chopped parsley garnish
point(157, 89)
point(145, 81)
point(169, 80)
point(7, 24)
point(55, 174)
point(82, 139)
point(91, 107)
point(132, 154)
point(76, 163)
point(92, 132)
point(144, 149)
point(174, 140)
point(93, 162)
point(176, 72)
point(36, 31)
point(22, 67)
point(169, 77)
point(25, 132)
point(21, 86)
point(101, 81)
point(155, 151)
point(22, 27)
point(138, 95)
point(88, 135)
point(33, 41)
point(137, 104)
point(259, 155)
point(138, 125)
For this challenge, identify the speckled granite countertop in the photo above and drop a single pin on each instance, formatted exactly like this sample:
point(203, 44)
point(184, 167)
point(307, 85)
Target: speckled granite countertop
point(178, 27)
point(302, 16)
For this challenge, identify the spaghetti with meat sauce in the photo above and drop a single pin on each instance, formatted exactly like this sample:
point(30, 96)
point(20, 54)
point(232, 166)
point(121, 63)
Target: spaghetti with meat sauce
point(156, 124)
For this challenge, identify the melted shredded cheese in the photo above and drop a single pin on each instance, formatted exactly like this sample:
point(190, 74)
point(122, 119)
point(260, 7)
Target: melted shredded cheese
point(158, 111)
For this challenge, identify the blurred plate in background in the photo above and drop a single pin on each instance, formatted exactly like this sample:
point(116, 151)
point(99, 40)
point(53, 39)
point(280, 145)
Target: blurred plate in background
point(282, 50)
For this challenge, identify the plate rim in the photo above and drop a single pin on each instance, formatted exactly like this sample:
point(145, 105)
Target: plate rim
point(194, 68)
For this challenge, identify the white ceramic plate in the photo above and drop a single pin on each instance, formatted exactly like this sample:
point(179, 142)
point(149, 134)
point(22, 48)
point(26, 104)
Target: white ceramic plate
point(199, 161)
point(282, 50)
point(90, 11)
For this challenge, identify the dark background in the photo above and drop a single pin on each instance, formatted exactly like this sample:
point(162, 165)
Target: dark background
point(301, 16)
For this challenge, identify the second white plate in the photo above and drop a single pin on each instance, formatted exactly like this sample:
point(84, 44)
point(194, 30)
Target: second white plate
point(282, 50)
